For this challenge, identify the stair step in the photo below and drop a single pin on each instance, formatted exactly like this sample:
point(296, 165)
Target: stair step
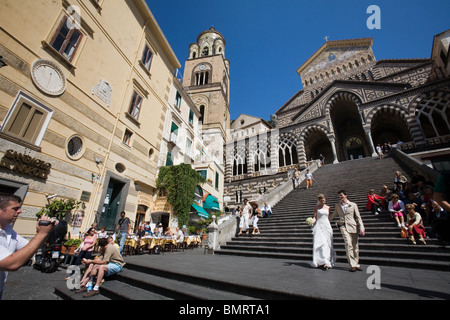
point(176, 289)
point(120, 290)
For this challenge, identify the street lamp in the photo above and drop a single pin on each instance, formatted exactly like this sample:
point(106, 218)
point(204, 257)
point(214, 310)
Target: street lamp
point(2, 62)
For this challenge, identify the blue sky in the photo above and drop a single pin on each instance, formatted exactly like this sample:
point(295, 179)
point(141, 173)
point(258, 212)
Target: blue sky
point(268, 40)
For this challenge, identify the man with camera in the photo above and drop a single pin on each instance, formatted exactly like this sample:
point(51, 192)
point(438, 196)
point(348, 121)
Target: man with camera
point(15, 251)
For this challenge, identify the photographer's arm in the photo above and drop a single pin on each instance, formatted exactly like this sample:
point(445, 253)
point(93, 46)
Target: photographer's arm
point(17, 259)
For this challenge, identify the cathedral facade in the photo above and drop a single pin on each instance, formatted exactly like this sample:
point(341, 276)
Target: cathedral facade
point(350, 103)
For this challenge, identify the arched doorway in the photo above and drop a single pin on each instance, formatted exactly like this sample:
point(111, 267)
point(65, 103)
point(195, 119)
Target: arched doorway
point(346, 120)
point(317, 143)
point(140, 217)
point(354, 148)
point(161, 217)
point(388, 125)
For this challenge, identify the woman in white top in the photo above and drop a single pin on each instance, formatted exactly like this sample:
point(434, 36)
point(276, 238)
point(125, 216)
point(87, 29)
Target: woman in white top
point(243, 223)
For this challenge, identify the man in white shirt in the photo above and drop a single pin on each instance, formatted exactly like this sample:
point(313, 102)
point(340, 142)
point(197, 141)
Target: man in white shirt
point(267, 210)
point(15, 250)
point(179, 235)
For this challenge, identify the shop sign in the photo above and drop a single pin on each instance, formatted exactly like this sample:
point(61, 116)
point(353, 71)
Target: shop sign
point(18, 162)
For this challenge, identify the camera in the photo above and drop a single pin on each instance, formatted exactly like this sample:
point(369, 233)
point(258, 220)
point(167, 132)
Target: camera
point(46, 222)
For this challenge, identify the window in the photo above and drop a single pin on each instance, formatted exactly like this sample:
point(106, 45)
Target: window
point(202, 114)
point(188, 145)
point(201, 78)
point(127, 137)
point(151, 152)
point(120, 167)
point(191, 116)
point(27, 120)
point(174, 128)
point(239, 161)
point(261, 157)
point(147, 58)
point(75, 147)
point(66, 39)
point(287, 153)
point(217, 181)
point(135, 107)
point(169, 159)
point(203, 173)
point(178, 100)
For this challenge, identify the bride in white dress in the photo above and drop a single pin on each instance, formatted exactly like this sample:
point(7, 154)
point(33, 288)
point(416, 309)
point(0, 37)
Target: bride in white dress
point(323, 251)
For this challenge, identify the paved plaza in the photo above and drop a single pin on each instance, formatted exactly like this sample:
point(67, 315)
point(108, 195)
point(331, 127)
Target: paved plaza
point(287, 276)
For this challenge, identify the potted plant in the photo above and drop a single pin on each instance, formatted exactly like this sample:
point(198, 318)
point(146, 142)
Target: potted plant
point(204, 233)
point(72, 245)
point(58, 208)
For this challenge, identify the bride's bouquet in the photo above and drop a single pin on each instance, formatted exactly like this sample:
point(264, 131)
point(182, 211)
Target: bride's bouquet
point(310, 221)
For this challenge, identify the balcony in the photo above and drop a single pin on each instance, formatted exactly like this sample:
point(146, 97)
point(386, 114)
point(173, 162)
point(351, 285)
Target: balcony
point(173, 138)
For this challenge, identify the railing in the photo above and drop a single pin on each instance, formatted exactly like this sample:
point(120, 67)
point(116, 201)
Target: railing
point(415, 165)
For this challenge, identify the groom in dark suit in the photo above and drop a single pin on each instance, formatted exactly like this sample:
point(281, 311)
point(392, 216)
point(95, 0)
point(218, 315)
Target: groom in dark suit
point(349, 222)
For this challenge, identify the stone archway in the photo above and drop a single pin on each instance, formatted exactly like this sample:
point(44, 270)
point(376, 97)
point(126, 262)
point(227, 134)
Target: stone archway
point(316, 142)
point(389, 124)
point(343, 108)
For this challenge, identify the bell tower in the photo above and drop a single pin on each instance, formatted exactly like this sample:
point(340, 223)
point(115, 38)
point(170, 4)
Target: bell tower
point(206, 78)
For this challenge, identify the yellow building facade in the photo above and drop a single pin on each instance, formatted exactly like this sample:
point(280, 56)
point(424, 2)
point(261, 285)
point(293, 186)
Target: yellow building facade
point(83, 98)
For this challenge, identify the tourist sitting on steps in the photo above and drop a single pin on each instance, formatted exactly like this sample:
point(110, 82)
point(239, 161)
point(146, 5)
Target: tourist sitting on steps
point(415, 225)
point(374, 202)
point(397, 209)
point(108, 263)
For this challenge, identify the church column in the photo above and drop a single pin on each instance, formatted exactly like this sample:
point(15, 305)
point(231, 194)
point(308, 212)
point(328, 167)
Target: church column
point(333, 148)
point(369, 138)
point(248, 156)
point(229, 157)
point(274, 147)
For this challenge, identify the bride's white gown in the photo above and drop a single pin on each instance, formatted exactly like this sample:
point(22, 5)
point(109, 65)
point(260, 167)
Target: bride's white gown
point(323, 251)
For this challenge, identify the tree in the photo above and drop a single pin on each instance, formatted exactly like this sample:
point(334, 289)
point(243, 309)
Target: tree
point(179, 182)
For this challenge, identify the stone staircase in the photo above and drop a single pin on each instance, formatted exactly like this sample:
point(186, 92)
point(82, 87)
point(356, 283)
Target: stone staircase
point(285, 234)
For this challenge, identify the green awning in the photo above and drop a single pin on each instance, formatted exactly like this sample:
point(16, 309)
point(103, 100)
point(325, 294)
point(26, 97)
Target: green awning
point(200, 211)
point(211, 203)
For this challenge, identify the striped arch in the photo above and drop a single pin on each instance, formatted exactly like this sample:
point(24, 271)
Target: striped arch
point(397, 111)
point(303, 136)
point(341, 95)
point(307, 130)
point(391, 108)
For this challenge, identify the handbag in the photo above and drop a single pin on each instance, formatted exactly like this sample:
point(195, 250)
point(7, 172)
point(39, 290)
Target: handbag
point(403, 233)
point(78, 250)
